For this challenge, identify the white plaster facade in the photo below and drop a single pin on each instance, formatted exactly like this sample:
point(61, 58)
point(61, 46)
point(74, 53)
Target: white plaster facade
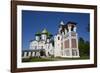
point(43, 41)
point(65, 41)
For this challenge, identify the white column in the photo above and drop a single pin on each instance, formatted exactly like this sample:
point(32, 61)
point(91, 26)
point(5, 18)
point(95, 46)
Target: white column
point(33, 54)
point(62, 34)
point(74, 29)
point(25, 54)
point(78, 53)
point(46, 53)
point(69, 28)
point(70, 43)
point(77, 42)
point(29, 54)
point(59, 30)
point(77, 46)
point(38, 54)
point(63, 46)
point(65, 31)
point(70, 46)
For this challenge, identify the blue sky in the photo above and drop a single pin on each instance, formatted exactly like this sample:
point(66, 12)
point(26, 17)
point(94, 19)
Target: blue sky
point(34, 21)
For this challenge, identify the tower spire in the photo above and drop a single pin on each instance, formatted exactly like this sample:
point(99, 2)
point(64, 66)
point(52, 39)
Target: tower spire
point(62, 23)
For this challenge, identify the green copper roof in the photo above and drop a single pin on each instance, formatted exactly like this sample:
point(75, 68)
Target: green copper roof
point(49, 34)
point(38, 34)
point(44, 32)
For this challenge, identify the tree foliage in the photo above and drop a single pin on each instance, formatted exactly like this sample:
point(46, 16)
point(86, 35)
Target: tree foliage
point(84, 47)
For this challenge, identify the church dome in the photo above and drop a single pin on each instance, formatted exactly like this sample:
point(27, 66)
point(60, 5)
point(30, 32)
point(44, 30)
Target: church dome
point(71, 23)
point(38, 34)
point(44, 31)
point(49, 35)
point(61, 23)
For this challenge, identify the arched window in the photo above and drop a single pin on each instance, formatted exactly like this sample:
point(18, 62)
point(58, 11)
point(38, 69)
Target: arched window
point(74, 44)
point(35, 47)
point(58, 38)
point(74, 52)
point(41, 47)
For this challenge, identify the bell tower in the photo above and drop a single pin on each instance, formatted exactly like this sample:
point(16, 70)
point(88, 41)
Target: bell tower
point(73, 39)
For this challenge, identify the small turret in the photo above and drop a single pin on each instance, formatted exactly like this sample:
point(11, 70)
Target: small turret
point(71, 26)
point(44, 34)
point(37, 36)
point(61, 23)
point(60, 27)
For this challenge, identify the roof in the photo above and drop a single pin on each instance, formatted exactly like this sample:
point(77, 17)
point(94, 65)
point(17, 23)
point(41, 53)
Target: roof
point(38, 34)
point(70, 23)
point(44, 31)
point(49, 35)
point(61, 23)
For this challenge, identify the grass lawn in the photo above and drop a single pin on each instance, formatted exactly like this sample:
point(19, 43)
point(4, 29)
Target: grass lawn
point(35, 60)
point(53, 59)
point(81, 58)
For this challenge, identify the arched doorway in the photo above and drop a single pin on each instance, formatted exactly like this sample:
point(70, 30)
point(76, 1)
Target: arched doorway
point(42, 53)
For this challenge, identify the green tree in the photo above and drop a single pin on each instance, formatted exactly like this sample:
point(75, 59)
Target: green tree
point(84, 47)
point(81, 46)
point(87, 47)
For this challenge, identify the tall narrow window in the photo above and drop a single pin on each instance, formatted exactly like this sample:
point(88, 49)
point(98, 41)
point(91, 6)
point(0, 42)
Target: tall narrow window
point(48, 46)
point(27, 54)
point(41, 47)
point(74, 52)
point(66, 44)
point(35, 47)
point(58, 38)
point(74, 45)
point(67, 52)
point(61, 45)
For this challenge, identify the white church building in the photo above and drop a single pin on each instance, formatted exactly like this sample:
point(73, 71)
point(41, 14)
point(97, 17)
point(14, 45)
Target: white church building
point(43, 41)
point(63, 44)
point(66, 41)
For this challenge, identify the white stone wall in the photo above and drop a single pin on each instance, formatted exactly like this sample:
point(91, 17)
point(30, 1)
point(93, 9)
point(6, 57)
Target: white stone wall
point(33, 45)
point(28, 54)
point(42, 45)
point(37, 38)
point(66, 34)
point(57, 49)
point(60, 38)
point(43, 36)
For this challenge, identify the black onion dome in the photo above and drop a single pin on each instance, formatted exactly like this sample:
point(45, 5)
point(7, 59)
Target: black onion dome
point(38, 34)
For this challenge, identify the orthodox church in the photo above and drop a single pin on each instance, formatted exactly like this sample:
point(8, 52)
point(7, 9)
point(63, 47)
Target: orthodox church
point(63, 44)
point(66, 41)
point(43, 42)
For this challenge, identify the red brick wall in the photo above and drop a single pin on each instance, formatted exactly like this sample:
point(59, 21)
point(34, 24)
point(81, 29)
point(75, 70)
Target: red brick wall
point(66, 44)
point(74, 45)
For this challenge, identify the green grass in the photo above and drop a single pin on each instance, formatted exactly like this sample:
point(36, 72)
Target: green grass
point(35, 60)
point(40, 59)
point(81, 58)
point(52, 59)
